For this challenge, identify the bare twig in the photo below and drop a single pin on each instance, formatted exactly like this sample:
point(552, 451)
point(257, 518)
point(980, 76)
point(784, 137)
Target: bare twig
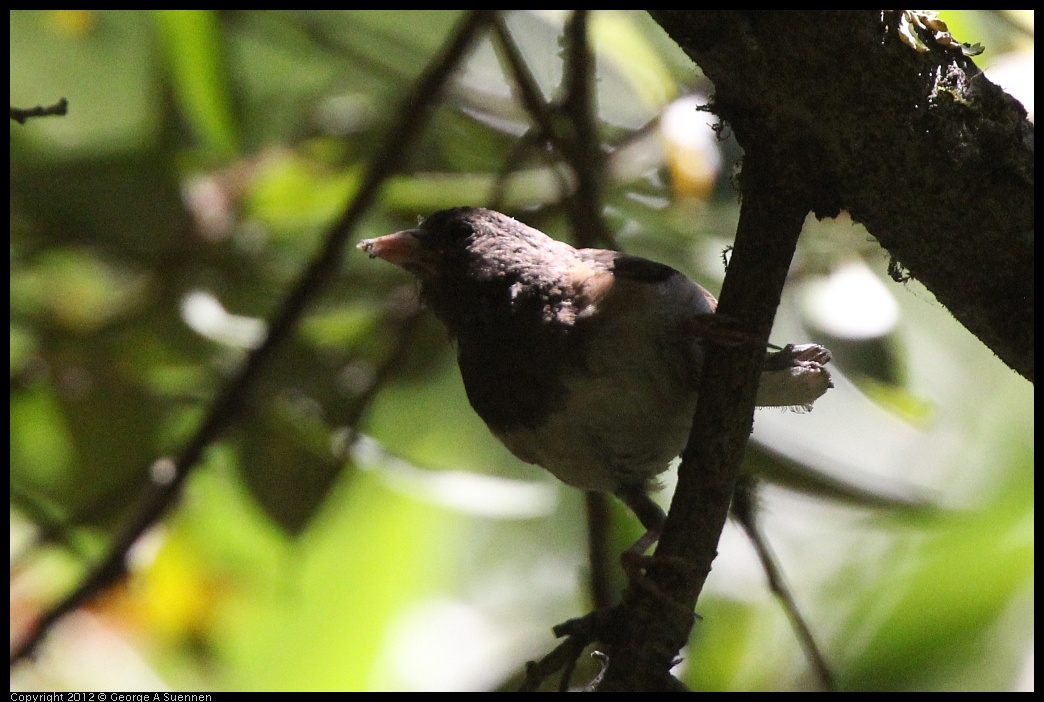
point(570, 125)
point(20, 114)
point(526, 85)
point(411, 118)
point(584, 153)
point(562, 658)
point(579, 633)
point(744, 509)
point(528, 93)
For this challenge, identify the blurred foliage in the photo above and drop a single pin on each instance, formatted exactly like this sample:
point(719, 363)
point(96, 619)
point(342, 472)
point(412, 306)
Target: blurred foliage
point(158, 224)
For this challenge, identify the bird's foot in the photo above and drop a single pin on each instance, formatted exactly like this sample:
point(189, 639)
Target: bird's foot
point(793, 355)
point(795, 376)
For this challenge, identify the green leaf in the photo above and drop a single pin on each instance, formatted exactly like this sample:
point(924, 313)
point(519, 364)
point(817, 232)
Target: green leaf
point(194, 52)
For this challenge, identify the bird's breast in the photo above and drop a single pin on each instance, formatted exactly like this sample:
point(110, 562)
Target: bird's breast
point(609, 431)
point(607, 403)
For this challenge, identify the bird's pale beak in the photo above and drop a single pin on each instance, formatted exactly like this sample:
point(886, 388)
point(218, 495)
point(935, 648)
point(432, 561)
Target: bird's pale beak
point(402, 248)
point(406, 251)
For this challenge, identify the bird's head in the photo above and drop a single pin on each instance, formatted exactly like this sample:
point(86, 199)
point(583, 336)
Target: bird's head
point(470, 258)
point(436, 250)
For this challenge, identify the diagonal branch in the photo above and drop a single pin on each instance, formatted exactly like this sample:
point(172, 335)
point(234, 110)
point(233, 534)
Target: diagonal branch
point(162, 494)
point(655, 618)
point(585, 152)
point(569, 124)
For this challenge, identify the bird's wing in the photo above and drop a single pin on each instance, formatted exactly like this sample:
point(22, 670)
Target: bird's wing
point(598, 273)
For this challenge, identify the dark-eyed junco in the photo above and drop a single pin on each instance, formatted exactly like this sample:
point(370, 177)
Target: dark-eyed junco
point(583, 361)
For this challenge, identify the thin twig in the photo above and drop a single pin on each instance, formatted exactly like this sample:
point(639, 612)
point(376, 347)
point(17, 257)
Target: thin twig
point(411, 118)
point(569, 126)
point(579, 633)
point(58, 109)
point(563, 657)
point(528, 90)
point(744, 509)
point(541, 113)
point(584, 152)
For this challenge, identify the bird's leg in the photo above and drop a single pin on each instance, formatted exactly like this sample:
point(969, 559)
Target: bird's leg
point(652, 518)
point(634, 560)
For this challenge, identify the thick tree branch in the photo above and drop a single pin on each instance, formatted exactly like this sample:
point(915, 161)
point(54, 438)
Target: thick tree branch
point(914, 142)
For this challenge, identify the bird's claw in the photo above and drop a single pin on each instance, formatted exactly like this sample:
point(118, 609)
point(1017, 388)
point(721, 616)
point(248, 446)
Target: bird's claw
point(794, 355)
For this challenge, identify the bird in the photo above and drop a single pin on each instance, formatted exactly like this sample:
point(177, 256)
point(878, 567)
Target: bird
point(585, 362)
